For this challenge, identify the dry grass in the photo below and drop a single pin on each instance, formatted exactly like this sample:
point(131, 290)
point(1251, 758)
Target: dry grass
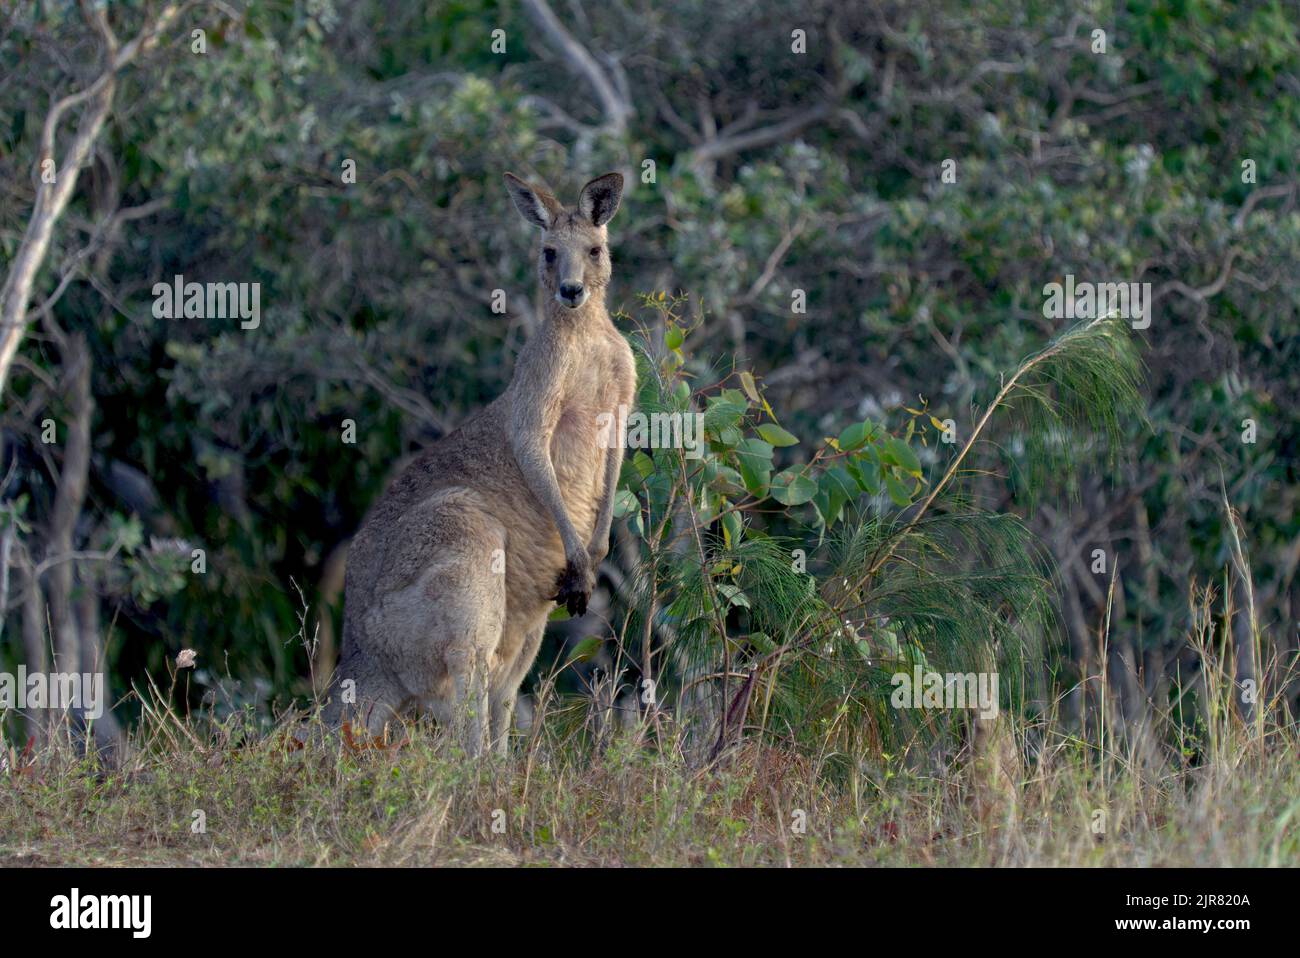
point(560, 799)
point(1202, 786)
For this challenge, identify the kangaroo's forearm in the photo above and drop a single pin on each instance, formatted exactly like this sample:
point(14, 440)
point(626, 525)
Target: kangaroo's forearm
point(599, 544)
point(539, 473)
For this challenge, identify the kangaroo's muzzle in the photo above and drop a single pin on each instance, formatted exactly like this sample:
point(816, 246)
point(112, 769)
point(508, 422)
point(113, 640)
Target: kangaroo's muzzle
point(572, 295)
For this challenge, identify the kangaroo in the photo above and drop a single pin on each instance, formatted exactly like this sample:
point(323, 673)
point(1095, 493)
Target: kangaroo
point(453, 573)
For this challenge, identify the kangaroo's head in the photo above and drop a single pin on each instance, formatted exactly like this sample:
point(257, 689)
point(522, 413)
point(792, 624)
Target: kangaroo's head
point(574, 259)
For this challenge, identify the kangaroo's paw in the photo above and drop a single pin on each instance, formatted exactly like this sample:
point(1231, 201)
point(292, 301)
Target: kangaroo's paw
point(573, 590)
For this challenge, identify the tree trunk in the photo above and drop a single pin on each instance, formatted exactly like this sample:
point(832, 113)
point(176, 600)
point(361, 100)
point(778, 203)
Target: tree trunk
point(51, 200)
point(74, 615)
point(34, 649)
point(107, 732)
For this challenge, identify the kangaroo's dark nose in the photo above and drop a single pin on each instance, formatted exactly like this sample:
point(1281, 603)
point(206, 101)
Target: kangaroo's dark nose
point(572, 292)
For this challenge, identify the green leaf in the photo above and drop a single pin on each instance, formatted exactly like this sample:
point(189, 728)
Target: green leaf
point(733, 595)
point(905, 457)
point(625, 504)
point(867, 474)
point(585, 650)
point(897, 491)
point(854, 436)
point(629, 477)
point(755, 472)
point(792, 489)
point(722, 416)
point(733, 527)
point(729, 437)
point(644, 465)
point(726, 480)
point(840, 479)
point(776, 435)
point(828, 506)
point(754, 458)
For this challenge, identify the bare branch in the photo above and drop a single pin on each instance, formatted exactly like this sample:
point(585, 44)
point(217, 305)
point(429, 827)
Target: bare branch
point(717, 147)
point(1268, 192)
point(52, 198)
point(1203, 293)
point(617, 109)
point(774, 261)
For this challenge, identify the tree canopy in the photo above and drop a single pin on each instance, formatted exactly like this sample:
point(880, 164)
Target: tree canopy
point(865, 204)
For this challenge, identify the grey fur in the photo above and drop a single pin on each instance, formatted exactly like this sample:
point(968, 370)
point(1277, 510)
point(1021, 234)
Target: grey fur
point(523, 486)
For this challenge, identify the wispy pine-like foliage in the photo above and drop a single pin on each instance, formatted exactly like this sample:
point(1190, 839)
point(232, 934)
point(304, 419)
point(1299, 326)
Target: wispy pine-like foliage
point(806, 647)
point(1079, 394)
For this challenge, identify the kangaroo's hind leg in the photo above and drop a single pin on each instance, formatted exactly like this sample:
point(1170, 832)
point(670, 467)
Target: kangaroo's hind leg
point(505, 691)
point(436, 618)
point(468, 656)
point(468, 612)
point(364, 695)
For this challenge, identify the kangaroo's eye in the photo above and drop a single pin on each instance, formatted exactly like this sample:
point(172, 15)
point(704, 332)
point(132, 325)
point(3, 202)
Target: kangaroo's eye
point(549, 253)
point(595, 252)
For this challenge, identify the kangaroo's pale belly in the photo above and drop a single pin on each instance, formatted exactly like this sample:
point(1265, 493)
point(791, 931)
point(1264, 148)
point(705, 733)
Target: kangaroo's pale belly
point(579, 465)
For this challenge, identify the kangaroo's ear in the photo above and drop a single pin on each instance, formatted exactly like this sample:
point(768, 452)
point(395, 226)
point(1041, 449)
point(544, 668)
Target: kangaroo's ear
point(535, 205)
point(599, 198)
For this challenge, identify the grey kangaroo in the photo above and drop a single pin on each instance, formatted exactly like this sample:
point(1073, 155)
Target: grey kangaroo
point(452, 575)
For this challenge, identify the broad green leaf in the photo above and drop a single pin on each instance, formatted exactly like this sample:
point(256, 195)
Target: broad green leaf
point(840, 478)
point(776, 435)
point(755, 472)
point(828, 504)
point(792, 489)
point(625, 504)
point(905, 457)
point(853, 436)
point(867, 474)
point(722, 414)
point(726, 480)
point(585, 650)
point(733, 527)
point(897, 491)
point(755, 449)
point(729, 436)
point(643, 464)
point(733, 595)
